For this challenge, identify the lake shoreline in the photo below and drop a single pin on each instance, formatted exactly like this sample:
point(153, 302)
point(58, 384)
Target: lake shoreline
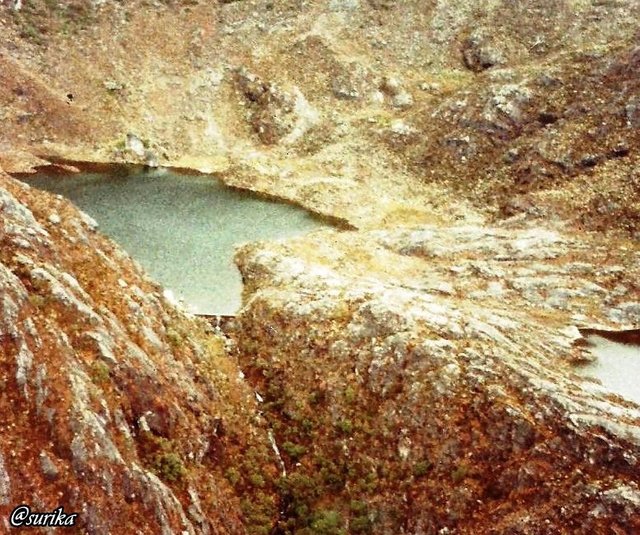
point(182, 227)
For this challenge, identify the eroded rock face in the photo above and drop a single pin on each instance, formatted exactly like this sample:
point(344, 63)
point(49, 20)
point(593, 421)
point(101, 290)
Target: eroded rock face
point(113, 403)
point(480, 54)
point(419, 381)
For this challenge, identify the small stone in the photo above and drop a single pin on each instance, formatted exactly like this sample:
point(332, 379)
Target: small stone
point(480, 54)
point(49, 469)
point(150, 159)
point(402, 100)
point(143, 425)
point(135, 145)
point(390, 85)
point(88, 220)
point(111, 85)
point(376, 97)
point(5, 483)
point(401, 128)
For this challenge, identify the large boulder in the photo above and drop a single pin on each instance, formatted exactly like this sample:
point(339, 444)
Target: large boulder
point(277, 116)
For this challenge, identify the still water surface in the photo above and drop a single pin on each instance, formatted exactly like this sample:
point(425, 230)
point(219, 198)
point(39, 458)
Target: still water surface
point(617, 366)
point(181, 228)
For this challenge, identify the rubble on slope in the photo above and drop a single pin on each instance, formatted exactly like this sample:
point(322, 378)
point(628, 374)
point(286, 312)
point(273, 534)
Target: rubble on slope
point(516, 107)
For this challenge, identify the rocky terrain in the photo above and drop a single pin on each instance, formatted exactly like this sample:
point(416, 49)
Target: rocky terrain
point(114, 403)
point(415, 374)
point(433, 391)
point(376, 112)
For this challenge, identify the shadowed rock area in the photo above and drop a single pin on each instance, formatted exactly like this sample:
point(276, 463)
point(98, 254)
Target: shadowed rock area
point(114, 404)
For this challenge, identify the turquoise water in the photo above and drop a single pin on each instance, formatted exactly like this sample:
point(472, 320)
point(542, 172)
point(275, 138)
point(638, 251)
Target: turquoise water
point(181, 228)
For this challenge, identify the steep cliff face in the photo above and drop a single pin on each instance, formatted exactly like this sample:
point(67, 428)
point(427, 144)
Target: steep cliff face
point(114, 404)
point(420, 381)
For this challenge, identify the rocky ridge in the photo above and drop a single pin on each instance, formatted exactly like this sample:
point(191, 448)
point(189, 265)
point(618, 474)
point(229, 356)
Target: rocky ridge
point(114, 403)
point(422, 379)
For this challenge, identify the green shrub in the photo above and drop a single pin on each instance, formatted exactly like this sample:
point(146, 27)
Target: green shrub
point(258, 516)
point(421, 468)
point(299, 487)
point(99, 372)
point(37, 300)
point(327, 523)
point(233, 476)
point(345, 426)
point(360, 524)
point(459, 473)
point(294, 451)
point(368, 484)
point(358, 507)
point(257, 480)
point(360, 521)
point(174, 337)
point(349, 395)
point(168, 466)
point(31, 33)
point(307, 425)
